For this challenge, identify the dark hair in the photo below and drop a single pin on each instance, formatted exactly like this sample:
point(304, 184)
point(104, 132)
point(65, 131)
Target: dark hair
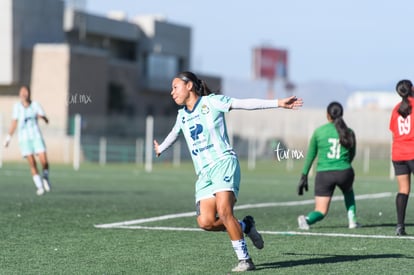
point(199, 86)
point(346, 136)
point(404, 89)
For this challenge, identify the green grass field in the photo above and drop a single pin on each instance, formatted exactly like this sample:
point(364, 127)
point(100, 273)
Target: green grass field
point(55, 233)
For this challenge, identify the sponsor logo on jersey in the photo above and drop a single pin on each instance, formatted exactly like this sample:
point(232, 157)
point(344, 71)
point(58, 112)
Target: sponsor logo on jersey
point(195, 131)
point(196, 151)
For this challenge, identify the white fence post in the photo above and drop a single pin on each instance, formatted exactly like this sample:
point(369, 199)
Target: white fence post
point(1, 136)
point(392, 173)
point(251, 154)
point(139, 149)
point(77, 142)
point(149, 137)
point(102, 151)
point(366, 160)
point(177, 154)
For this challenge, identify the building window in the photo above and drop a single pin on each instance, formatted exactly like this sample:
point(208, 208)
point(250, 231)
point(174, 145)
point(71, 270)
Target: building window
point(123, 50)
point(116, 98)
point(161, 66)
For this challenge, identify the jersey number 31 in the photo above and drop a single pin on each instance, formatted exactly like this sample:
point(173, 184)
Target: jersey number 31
point(335, 149)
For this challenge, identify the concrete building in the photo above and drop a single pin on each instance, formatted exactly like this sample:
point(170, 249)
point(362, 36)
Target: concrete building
point(100, 67)
point(381, 100)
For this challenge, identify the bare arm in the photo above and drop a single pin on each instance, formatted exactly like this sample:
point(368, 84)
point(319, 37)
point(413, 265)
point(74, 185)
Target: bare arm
point(12, 129)
point(46, 120)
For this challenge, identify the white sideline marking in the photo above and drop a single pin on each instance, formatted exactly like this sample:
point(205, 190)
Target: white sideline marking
point(286, 233)
point(161, 228)
point(293, 233)
point(153, 219)
point(133, 223)
point(124, 224)
point(294, 203)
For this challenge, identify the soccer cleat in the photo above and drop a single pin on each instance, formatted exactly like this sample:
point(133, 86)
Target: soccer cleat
point(244, 265)
point(353, 225)
point(400, 230)
point(40, 191)
point(252, 233)
point(46, 184)
point(302, 223)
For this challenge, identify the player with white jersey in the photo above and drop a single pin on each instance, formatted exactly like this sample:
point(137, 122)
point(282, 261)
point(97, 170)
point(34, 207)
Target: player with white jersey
point(25, 119)
point(205, 130)
point(202, 122)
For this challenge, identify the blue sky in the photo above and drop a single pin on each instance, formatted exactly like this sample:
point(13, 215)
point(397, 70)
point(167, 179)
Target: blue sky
point(362, 43)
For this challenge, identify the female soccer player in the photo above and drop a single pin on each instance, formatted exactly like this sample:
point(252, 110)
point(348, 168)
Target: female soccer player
point(201, 120)
point(402, 128)
point(25, 116)
point(335, 146)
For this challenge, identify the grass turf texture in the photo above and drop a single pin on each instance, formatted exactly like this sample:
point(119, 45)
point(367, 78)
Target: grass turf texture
point(55, 233)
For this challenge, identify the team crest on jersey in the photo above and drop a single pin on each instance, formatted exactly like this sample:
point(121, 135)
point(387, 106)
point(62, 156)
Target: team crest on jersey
point(204, 109)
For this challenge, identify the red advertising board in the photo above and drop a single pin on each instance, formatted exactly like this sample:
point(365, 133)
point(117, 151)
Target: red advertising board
point(270, 63)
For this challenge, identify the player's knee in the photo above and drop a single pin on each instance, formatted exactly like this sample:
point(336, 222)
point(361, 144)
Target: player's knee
point(205, 223)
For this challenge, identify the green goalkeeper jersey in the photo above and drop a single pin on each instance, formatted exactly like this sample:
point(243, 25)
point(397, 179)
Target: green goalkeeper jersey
point(324, 145)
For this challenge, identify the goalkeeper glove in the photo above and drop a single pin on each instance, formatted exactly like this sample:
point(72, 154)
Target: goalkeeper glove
point(303, 184)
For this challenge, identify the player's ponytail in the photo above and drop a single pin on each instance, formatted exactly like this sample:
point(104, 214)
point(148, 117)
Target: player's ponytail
point(404, 89)
point(346, 136)
point(199, 86)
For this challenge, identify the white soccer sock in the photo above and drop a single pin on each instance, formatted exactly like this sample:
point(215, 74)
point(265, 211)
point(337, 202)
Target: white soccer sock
point(351, 216)
point(240, 247)
point(38, 181)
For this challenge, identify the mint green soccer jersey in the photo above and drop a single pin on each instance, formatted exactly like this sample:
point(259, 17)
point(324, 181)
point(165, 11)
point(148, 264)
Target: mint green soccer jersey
point(324, 145)
point(28, 128)
point(205, 131)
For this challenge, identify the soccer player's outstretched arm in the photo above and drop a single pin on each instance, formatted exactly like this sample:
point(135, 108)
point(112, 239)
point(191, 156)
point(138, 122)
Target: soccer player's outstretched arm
point(168, 141)
point(254, 104)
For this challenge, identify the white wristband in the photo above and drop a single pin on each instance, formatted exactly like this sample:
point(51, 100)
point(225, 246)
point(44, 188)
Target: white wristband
point(7, 140)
